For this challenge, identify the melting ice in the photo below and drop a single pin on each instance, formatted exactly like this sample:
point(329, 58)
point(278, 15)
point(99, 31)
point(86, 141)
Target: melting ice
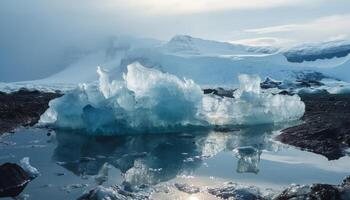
point(148, 100)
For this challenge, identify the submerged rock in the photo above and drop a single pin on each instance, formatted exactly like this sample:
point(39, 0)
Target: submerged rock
point(13, 179)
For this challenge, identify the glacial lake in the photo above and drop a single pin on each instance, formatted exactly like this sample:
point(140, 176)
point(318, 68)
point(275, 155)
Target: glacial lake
point(69, 162)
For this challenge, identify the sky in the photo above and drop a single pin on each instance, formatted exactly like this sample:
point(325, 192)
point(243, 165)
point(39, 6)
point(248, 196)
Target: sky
point(36, 36)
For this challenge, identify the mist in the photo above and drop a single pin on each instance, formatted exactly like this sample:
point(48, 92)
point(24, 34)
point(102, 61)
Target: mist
point(39, 38)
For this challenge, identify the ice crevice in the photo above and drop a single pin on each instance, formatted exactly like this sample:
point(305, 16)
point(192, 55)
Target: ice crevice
point(148, 100)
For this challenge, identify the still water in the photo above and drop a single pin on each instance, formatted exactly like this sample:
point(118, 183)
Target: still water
point(69, 162)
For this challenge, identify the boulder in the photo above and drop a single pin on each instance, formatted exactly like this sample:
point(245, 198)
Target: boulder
point(13, 179)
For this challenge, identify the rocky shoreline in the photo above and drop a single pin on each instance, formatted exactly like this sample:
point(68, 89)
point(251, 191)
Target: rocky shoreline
point(326, 126)
point(23, 108)
point(228, 190)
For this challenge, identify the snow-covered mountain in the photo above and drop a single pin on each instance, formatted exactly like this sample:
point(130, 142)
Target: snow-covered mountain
point(187, 45)
point(318, 51)
point(206, 62)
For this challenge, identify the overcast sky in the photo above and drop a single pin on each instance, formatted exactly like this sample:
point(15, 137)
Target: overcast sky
point(34, 33)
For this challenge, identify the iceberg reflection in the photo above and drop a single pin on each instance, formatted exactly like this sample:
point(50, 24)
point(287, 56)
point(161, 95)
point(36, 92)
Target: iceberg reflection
point(151, 159)
point(249, 158)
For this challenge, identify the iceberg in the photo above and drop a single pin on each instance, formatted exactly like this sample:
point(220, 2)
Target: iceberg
point(148, 100)
point(252, 106)
point(102, 175)
point(31, 171)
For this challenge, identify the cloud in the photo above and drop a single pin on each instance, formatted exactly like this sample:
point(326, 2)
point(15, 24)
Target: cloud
point(36, 34)
point(322, 29)
point(275, 29)
point(173, 7)
point(263, 41)
point(338, 37)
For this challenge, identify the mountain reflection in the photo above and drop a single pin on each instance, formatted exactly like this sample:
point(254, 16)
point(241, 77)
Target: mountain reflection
point(151, 159)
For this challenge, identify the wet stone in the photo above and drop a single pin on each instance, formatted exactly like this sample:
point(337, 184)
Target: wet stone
point(234, 191)
point(22, 108)
point(113, 193)
point(220, 92)
point(326, 126)
point(189, 189)
point(13, 179)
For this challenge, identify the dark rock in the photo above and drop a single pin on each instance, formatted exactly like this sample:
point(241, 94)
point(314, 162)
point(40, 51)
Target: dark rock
point(346, 182)
point(308, 83)
point(86, 159)
point(234, 191)
point(315, 191)
point(285, 92)
point(189, 189)
point(60, 174)
point(113, 193)
point(345, 188)
point(302, 79)
point(13, 179)
point(220, 92)
point(225, 129)
point(209, 91)
point(270, 83)
point(326, 127)
point(309, 76)
point(325, 191)
point(186, 135)
point(23, 108)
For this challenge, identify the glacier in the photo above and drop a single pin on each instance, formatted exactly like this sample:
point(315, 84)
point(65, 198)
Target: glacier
point(147, 100)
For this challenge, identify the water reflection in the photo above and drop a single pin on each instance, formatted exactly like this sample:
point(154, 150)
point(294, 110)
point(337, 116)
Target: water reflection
point(248, 159)
point(151, 159)
point(142, 159)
